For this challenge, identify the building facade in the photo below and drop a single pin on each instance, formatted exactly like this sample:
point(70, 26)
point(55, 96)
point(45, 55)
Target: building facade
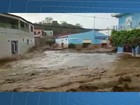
point(86, 38)
point(49, 32)
point(38, 34)
point(128, 21)
point(16, 35)
point(41, 36)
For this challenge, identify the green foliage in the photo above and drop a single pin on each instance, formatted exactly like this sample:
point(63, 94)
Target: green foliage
point(71, 45)
point(47, 40)
point(126, 37)
point(50, 42)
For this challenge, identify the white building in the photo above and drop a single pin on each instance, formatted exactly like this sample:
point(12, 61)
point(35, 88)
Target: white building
point(16, 35)
point(62, 41)
point(48, 32)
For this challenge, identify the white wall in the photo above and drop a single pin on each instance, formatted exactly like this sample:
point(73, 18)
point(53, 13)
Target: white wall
point(59, 41)
point(8, 35)
point(49, 32)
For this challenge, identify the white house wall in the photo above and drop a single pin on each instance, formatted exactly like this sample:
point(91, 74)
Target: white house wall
point(8, 35)
point(59, 41)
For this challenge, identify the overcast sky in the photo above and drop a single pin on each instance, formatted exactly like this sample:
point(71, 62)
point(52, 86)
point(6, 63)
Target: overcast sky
point(102, 20)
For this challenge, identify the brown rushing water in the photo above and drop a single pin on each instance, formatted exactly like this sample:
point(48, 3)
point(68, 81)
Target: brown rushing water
point(63, 71)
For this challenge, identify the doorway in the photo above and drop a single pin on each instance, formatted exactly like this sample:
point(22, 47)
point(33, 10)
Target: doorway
point(62, 45)
point(14, 47)
point(104, 45)
point(85, 45)
point(127, 48)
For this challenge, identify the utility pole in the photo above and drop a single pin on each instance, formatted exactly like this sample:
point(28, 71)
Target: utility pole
point(94, 23)
point(94, 26)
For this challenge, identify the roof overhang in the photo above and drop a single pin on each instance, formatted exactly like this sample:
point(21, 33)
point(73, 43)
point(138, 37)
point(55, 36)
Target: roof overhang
point(15, 17)
point(119, 14)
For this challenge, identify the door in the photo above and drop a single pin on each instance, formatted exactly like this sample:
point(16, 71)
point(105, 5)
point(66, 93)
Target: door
point(14, 47)
point(127, 49)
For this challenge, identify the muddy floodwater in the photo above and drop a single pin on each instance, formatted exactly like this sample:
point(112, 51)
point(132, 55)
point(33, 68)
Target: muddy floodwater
point(63, 71)
point(55, 60)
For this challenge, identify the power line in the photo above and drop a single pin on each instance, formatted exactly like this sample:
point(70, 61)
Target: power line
point(91, 16)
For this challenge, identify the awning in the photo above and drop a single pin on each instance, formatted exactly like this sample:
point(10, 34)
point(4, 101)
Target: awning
point(86, 41)
point(104, 41)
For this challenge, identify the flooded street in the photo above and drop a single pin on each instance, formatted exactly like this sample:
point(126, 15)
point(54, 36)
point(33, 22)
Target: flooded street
point(53, 60)
point(64, 71)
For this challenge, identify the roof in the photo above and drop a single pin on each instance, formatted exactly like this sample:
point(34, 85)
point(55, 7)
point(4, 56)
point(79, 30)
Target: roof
point(89, 32)
point(16, 17)
point(93, 31)
point(119, 14)
point(65, 36)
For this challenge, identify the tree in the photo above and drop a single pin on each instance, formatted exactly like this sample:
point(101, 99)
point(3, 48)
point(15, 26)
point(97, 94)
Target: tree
point(64, 23)
point(78, 25)
point(48, 20)
point(55, 23)
point(134, 39)
point(125, 38)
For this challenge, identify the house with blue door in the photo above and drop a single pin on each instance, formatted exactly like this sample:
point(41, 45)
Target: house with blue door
point(128, 21)
point(86, 38)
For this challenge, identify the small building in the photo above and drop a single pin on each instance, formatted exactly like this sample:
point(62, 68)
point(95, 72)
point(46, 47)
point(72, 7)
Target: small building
point(128, 21)
point(38, 34)
point(85, 39)
point(49, 32)
point(16, 35)
point(41, 36)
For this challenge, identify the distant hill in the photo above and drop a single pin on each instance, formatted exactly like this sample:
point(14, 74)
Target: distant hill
point(61, 29)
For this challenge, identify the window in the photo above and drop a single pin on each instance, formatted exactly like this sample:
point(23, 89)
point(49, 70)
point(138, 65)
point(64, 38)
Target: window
point(51, 33)
point(13, 25)
point(22, 24)
point(7, 22)
point(100, 37)
point(39, 32)
point(31, 28)
point(27, 41)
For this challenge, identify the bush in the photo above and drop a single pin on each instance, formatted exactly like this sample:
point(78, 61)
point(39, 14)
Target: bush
point(50, 42)
point(71, 45)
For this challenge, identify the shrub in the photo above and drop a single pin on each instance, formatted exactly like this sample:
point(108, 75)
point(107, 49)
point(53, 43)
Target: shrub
point(71, 45)
point(50, 42)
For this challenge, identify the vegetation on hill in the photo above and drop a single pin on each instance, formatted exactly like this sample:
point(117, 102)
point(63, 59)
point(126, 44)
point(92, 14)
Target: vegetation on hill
point(61, 28)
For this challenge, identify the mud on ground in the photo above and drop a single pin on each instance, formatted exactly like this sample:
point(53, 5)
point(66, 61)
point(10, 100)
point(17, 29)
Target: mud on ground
point(72, 72)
